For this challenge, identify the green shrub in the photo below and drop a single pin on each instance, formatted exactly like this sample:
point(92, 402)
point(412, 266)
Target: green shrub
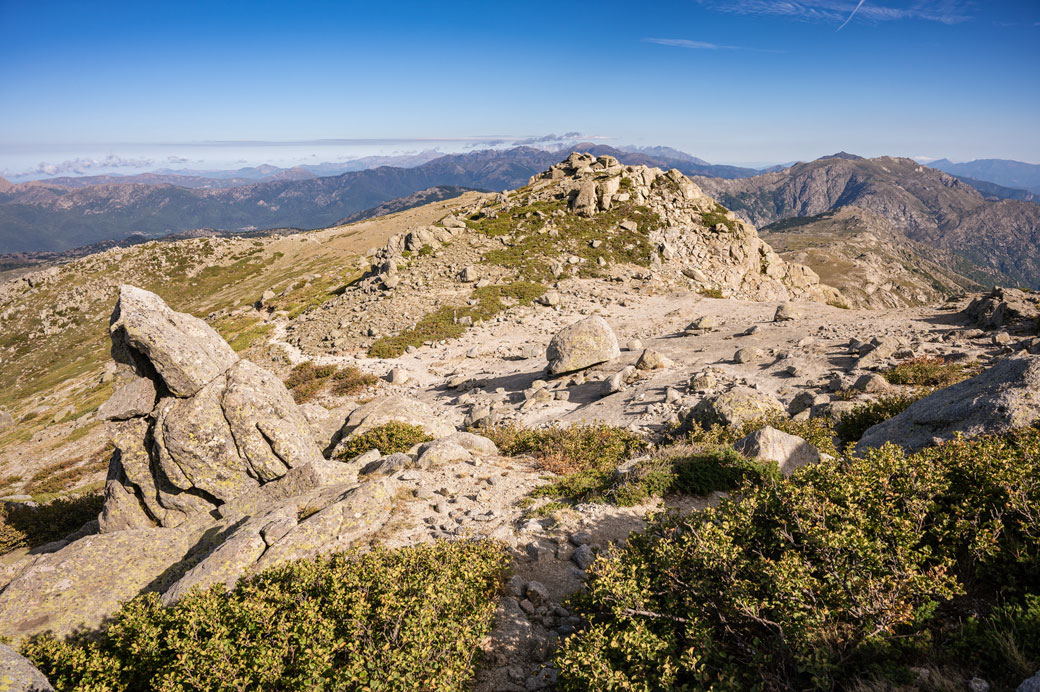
point(567, 449)
point(816, 431)
point(851, 425)
point(351, 380)
point(712, 293)
point(403, 619)
point(22, 526)
point(926, 371)
point(851, 570)
point(389, 438)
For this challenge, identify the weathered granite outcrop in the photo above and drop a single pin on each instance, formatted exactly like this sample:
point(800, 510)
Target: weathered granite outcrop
point(581, 345)
point(17, 674)
point(222, 427)
point(1004, 397)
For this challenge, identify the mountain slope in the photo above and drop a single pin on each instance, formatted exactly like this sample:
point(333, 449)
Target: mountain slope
point(924, 204)
point(873, 265)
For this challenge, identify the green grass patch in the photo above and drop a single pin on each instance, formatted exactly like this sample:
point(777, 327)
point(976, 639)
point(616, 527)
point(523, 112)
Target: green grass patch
point(443, 323)
point(307, 380)
point(851, 425)
point(404, 619)
point(717, 216)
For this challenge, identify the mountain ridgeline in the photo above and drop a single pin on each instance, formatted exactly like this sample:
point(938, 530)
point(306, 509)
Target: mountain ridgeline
point(991, 241)
point(45, 216)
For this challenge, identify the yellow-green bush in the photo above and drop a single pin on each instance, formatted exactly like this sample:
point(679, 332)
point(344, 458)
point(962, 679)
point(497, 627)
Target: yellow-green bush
point(306, 380)
point(566, 449)
point(852, 569)
point(926, 371)
point(405, 619)
point(389, 438)
point(22, 526)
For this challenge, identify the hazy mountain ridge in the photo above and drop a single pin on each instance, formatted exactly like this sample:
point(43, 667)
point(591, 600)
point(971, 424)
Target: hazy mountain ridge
point(1013, 174)
point(924, 204)
point(47, 217)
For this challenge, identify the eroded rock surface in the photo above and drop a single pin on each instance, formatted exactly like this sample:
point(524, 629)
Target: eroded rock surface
point(1002, 398)
point(582, 345)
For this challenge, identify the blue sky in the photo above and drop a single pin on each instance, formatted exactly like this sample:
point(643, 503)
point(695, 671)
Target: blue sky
point(145, 83)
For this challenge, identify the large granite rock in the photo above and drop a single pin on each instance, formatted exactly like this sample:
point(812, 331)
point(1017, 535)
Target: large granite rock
point(1003, 397)
point(229, 427)
point(736, 407)
point(183, 350)
point(582, 345)
point(17, 674)
point(790, 452)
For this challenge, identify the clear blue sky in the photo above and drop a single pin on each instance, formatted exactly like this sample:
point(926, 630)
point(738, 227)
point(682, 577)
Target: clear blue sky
point(730, 81)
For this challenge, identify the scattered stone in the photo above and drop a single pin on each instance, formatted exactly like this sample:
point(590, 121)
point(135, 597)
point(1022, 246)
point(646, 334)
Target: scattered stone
point(706, 323)
point(617, 382)
point(583, 556)
point(468, 275)
point(634, 345)
point(537, 594)
point(748, 355)
point(786, 313)
point(18, 674)
point(652, 360)
point(549, 299)
point(788, 451)
point(872, 384)
point(735, 407)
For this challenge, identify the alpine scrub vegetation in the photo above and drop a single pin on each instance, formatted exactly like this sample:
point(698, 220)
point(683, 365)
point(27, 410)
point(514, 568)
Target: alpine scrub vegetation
point(854, 569)
point(389, 438)
point(400, 619)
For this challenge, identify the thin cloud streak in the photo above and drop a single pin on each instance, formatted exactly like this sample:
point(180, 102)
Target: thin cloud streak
point(704, 45)
point(845, 23)
point(942, 11)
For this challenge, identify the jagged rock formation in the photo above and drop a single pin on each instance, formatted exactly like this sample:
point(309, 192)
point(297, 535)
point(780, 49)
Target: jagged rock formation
point(697, 239)
point(222, 428)
point(1000, 399)
point(1004, 306)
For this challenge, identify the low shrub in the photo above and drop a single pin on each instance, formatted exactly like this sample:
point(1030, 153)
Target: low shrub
point(818, 432)
point(389, 438)
point(567, 449)
point(851, 425)
point(926, 371)
point(23, 526)
point(853, 569)
point(403, 619)
point(306, 380)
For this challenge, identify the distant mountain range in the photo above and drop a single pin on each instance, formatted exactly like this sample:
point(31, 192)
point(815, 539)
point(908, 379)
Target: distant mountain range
point(993, 241)
point(1011, 174)
point(59, 215)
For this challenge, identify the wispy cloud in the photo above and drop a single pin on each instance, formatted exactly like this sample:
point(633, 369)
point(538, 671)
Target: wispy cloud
point(704, 45)
point(82, 166)
point(839, 11)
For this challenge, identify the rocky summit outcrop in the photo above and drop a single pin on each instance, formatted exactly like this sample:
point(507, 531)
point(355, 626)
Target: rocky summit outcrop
point(698, 241)
point(1003, 307)
point(583, 344)
point(222, 427)
point(1004, 397)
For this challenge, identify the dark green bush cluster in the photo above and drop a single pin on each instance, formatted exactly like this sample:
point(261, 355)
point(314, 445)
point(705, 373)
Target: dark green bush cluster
point(927, 371)
point(851, 425)
point(307, 379)
point(851, 570)
point(816, 431)
point(404, 619)
point(22, 526)
point(389, 438)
